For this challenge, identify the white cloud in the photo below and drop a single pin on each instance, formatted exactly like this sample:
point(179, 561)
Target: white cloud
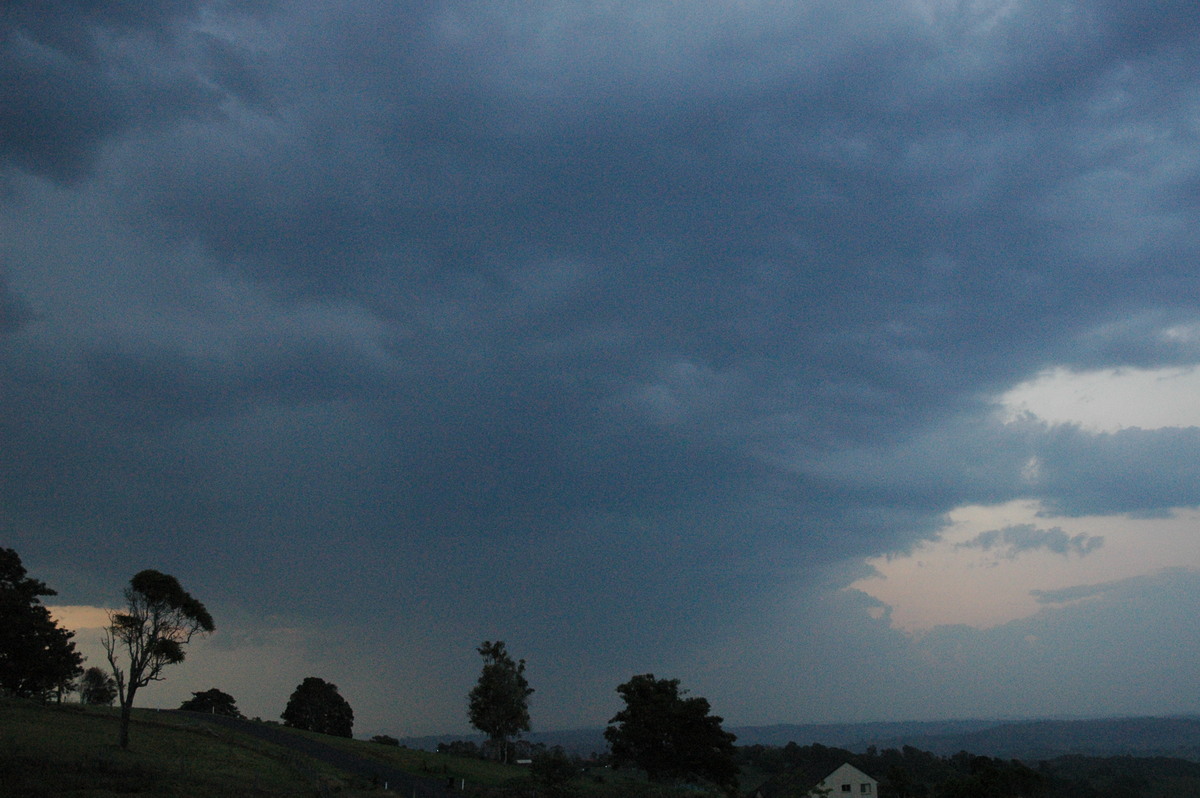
point(957, 579)
point(1110, 399)
point(77, 617)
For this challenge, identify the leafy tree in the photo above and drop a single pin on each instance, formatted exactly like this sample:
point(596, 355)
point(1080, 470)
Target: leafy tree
point(669, 736)
point(212, 702)
point(97, 688)
point(499, 702)
point(37, 656)
point(554, 770)
point(159, 619)
point(317, 706)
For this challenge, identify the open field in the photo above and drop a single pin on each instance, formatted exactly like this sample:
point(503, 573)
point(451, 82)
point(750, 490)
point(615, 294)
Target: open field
point(70, 751)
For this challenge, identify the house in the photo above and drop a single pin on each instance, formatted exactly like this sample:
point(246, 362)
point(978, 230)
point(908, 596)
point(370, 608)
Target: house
point(847, 780)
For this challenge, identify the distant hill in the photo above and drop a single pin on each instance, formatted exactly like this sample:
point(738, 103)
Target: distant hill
point(1027, 740)
point(577, 741)
point(857, 736)
point(1030, 740)
point(1177, 737)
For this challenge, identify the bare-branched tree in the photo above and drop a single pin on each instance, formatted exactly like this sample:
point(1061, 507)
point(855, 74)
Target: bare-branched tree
point(159, 618)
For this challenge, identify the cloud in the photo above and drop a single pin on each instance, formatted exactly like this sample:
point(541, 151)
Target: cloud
point(1128, 638)
point(1143, 472)
point(14, 313)
point(1106, 656)
point(1110, 589)
point(1014, 540)
point(80, 617)
point(78, 74)
point(327, 307)
point(1069, 594)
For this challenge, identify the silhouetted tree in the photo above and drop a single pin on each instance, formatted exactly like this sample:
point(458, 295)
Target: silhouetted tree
point(317, 706)
point(37, 657)
point(97, 688)
point(212, 702)
point(669, 736)
point(554, 770)
point(499, 702)
point(160, 617)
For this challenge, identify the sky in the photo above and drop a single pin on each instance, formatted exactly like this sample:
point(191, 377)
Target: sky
point(837, 358)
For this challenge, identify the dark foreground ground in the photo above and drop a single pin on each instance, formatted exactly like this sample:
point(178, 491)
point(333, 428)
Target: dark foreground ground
point(378, 773)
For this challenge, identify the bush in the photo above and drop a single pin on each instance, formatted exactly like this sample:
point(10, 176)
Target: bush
point(554, 769)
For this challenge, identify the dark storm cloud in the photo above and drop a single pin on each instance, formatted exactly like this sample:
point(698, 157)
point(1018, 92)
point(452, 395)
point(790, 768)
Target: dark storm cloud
point(75, 73)
point(833, 259)
point(726, 224)
point(489, 311)
point(14, 312)
point(1135, 471)
point(611, 291)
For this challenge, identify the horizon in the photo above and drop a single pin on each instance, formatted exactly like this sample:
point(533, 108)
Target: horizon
point(936, 722)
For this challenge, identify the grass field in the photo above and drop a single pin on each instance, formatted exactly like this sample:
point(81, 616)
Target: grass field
point(70, 751)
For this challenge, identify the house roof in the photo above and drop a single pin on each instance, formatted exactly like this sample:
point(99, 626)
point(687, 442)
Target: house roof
point(846, 770)
point(805, 778)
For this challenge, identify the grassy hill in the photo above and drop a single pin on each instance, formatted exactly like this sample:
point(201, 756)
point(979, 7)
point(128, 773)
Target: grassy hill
point(70, 750)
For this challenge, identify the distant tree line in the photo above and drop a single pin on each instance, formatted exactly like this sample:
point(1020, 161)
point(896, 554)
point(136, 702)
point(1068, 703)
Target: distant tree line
point(792, 770)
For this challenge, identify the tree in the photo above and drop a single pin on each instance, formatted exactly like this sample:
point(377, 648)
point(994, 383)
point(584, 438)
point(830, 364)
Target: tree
point(499, 702)
point(212, 702)
point(160, 617)
point(37, 656)
point(385, 739)
point(317, 706)
point(669, 736)
point(97, 688)
point(554, 770)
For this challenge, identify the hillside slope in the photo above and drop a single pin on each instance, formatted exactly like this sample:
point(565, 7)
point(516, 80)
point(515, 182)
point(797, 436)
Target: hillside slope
point(69, 750)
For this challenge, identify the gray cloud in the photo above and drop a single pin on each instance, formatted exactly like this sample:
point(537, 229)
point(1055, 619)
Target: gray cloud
point(78, 72)
point(483, 314)
point(1070, 594)
point(1141, 472)
point(1014, 540)
point(14, 312)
